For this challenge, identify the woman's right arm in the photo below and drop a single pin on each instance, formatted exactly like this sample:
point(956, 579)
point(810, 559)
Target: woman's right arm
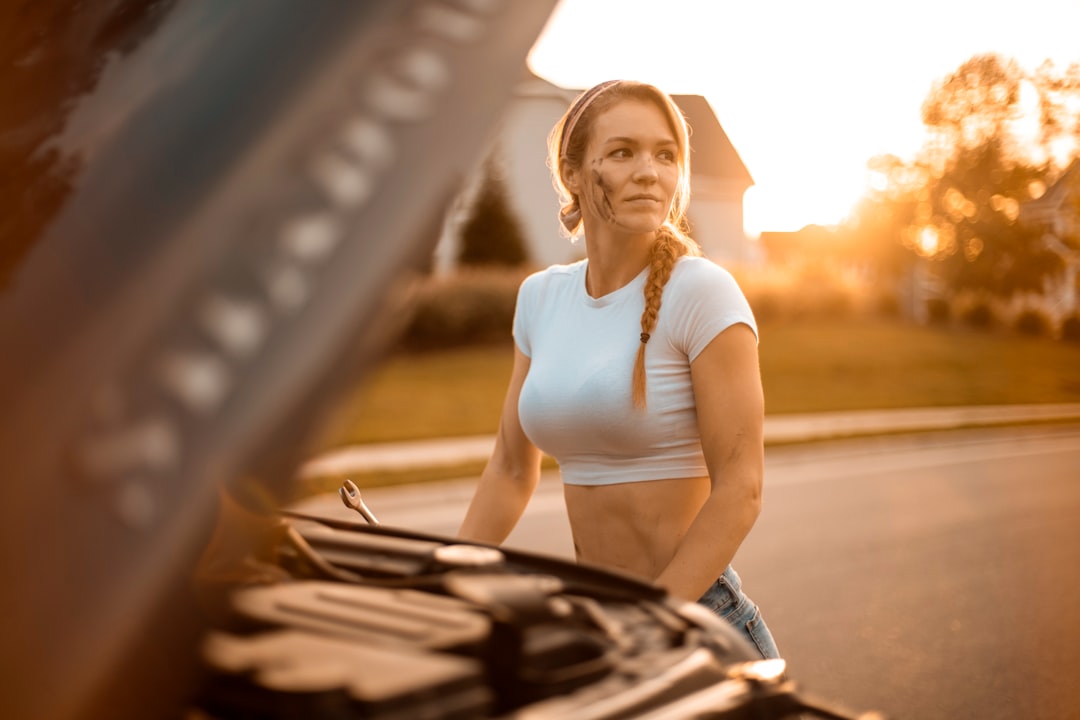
point(510, 477)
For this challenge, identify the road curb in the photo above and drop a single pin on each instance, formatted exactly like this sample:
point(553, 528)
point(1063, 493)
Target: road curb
point(779, 429)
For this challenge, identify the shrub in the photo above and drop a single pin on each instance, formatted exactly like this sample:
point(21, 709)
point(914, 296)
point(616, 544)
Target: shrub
point(782, 294)
point(824, 301)
point(468, 307)
point(766, 306)
point(886, 304)
point(1070, 328)
point(1033, 322)
point(938, 311)
point(980, 315)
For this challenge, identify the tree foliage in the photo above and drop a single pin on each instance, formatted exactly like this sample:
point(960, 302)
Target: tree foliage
point(993, 133)
point(492, 234)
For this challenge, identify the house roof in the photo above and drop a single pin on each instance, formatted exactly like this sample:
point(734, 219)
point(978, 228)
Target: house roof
point(712, 153)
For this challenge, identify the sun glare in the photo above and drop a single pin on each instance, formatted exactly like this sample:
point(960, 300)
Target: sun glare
point(928, 241)
point(807, 116)
point(789, 207)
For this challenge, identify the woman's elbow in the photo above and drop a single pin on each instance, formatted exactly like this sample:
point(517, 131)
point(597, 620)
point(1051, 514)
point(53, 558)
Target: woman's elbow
point(752, 497)
point(754, 506)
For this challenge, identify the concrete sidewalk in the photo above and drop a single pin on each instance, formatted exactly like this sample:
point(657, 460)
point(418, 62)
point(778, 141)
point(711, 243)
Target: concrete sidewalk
point(779, 429)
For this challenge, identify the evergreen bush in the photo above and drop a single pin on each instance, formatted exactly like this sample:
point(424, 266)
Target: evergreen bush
point(492, 234)
point(1070, 328)
point(980, 315)
point(938, 311)
point(1033, 322)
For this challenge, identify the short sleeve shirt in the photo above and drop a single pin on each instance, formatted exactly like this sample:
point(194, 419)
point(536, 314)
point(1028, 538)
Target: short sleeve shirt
point(576, 402)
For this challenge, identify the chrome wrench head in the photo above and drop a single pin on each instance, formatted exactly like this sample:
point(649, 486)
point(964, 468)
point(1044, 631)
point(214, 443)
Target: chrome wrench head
point(350, 495)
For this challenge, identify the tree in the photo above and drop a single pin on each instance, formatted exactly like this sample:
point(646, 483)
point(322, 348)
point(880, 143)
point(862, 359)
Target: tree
point(877, 225)
point(974, 105)
point(1059, 109)
point(958, 202)
point(492, 234)
point(975, 209)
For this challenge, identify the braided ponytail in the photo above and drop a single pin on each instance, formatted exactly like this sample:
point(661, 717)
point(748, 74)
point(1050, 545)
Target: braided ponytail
point(670, 245)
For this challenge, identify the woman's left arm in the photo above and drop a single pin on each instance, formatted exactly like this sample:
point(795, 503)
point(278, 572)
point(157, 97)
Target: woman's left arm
point(731, 414)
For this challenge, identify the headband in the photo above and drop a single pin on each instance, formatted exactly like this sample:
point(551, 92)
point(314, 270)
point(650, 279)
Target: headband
point(576, 112)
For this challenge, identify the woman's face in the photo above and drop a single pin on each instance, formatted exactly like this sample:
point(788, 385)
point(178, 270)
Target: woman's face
point(631, 168)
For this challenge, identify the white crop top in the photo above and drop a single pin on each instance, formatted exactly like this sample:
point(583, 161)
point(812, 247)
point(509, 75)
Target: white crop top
point(576, 403)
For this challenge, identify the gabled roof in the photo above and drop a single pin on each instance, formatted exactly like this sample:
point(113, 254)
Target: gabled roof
point(712, 153)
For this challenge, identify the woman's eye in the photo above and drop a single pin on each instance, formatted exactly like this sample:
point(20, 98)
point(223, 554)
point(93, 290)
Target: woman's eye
point(620, 153)
point(666, 155)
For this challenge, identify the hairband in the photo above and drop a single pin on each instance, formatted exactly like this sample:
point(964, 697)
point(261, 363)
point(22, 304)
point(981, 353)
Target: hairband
point(575, 114)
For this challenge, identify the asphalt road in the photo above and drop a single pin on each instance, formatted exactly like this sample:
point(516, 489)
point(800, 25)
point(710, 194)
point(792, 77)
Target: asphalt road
point(932, 575)
point(927, 576)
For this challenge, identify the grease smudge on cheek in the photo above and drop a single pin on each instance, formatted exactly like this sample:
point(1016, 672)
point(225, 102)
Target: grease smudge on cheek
point(599, 194)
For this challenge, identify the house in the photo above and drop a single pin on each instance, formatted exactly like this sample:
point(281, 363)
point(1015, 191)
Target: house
point(719, 179)
point(1057, 212)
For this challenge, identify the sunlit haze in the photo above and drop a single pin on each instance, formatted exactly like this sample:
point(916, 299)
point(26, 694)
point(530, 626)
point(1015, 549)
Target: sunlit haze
point(807, 91)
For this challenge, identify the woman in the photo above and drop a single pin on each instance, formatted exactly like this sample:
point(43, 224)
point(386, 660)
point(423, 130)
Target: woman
point(636, 368)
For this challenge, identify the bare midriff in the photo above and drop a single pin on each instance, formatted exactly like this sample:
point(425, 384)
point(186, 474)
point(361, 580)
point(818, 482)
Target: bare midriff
point(633, 527)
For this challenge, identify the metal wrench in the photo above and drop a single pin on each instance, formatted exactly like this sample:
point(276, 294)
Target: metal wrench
point(350, 495)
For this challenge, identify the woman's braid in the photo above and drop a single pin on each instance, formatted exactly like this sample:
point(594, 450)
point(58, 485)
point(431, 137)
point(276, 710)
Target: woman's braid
point(665, 251)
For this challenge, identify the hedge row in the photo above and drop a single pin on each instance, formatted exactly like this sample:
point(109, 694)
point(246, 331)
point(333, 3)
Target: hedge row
point(468, 307)
point(476, 305)
point(984, 315)
point(473, 306)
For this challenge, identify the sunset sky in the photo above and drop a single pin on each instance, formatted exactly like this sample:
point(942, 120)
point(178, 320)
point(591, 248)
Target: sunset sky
point(807, 90)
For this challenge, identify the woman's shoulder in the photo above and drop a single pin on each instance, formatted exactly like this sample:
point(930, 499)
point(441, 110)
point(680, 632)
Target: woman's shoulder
point(696, 273)
point(542, 283)
point(706, 300)
point(554, 274)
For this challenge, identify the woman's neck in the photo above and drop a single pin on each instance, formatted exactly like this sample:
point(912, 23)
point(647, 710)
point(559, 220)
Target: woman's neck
point(614, 261)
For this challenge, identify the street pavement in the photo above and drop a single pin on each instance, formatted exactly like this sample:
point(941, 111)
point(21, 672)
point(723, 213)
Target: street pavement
point(438, 507)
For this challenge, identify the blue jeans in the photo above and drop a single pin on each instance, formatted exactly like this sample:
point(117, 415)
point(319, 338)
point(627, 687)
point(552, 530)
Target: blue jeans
point(726, 598)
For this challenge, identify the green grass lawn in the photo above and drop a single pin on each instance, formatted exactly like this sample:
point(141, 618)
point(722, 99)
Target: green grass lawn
point(819, 365)
point(807, 366)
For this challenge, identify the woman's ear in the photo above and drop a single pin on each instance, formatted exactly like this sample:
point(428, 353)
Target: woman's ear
point(571, 179)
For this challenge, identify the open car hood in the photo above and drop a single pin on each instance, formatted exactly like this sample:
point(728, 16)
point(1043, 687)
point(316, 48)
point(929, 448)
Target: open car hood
point(206, 209)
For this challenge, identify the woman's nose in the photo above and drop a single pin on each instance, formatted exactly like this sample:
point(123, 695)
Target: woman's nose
point(645, 170)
